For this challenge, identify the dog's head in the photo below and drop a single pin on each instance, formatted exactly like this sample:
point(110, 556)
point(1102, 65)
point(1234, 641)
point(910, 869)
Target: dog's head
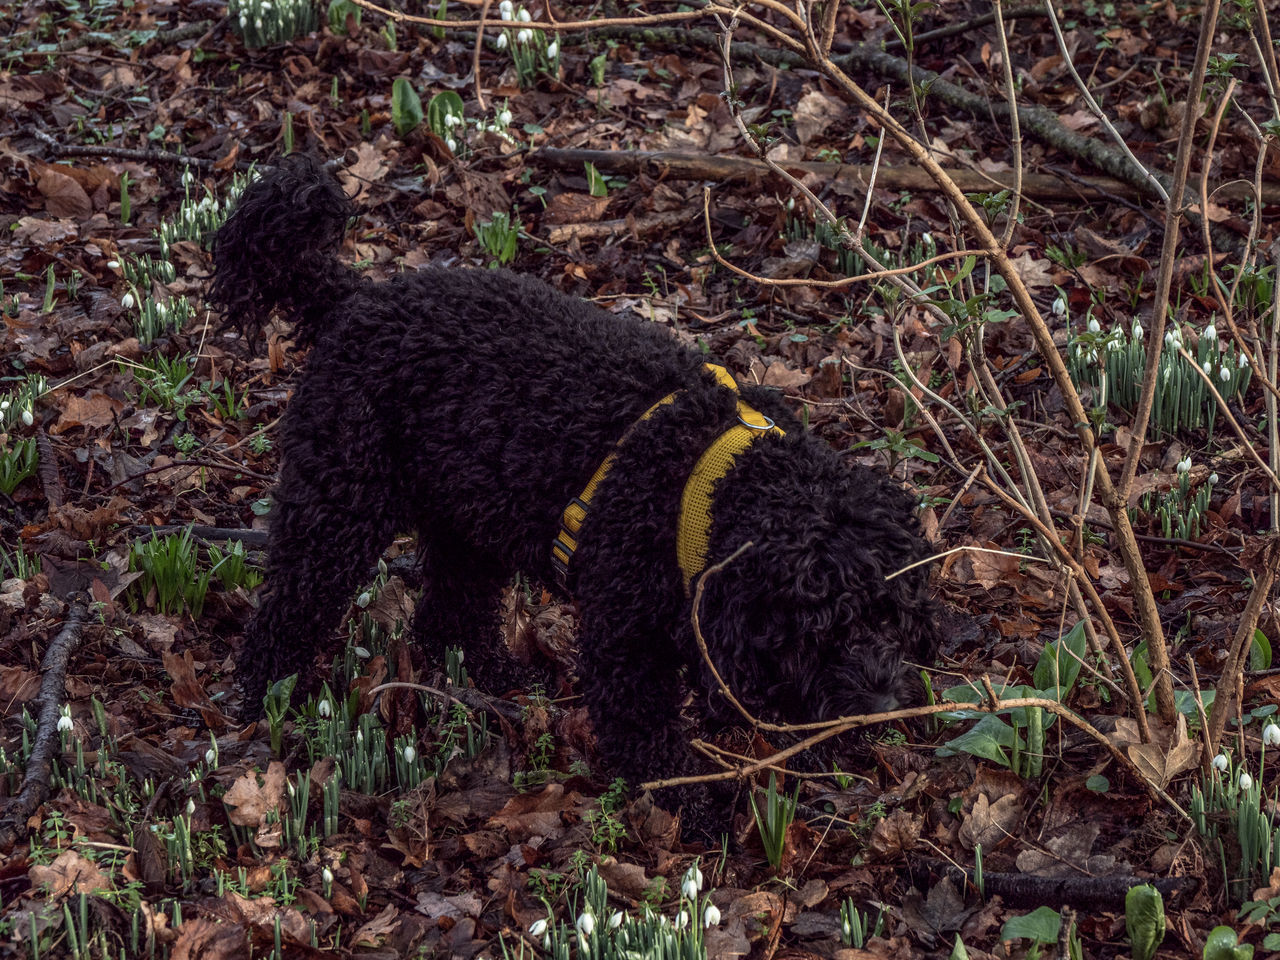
point(803, 625)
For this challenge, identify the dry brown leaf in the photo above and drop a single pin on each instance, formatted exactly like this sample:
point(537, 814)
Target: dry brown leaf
point(202, 938)
point(894, 835)
point(254, 795)
point(63, 197)
point(991, 823)
point(815, 113)
point(70, 873)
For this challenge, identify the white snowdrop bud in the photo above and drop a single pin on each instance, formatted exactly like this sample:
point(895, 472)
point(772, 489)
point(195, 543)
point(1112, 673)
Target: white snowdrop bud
point(1221, 763)
point(191, 806)
point(257, 23)
point(244, 21)
point(504, 117)
point(4, 404)
point(127, 301)
point(682, 919)
point(1059, 307)
point(1242, 361)
point(1168, 339)
point(27, 417)
point(1208, 366)
point(711, 916)
point(586, 924)
point(451, 144)
point(501, 42)
point(1213, 479)
point(553, 48)
point(65, 724)
point(1138, 332)
point(1224, 374)
point(1094, 325)
point(1271, 735)
point(524, 36)
point(523, 16)
point(1211, 332)
point(1246, 781)
point(362, 601)
point(113, 264)
point(1184, 466)
point(537, 928)
point(689, 889)
point(324, 709)
point(210, 757)
point(927, 239)
point(506, 9)
point(615, 921)
point(359, 736)
point(326, 875)
point(410, 754)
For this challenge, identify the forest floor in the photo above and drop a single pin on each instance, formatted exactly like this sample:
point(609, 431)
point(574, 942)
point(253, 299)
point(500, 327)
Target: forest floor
point(171, 825)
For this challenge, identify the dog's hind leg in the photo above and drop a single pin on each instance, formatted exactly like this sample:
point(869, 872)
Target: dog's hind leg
point(459, 607)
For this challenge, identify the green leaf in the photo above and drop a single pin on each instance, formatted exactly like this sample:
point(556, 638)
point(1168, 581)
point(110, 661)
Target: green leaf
point(1222, 945)
point(1041, 925)
point(442, 105)
point(1260, 652)
point(958, 952)
point(406, 108)
point(1098, 783)
point(1059, 663)
point(1144, 920)
point(988, 738)
point(1271, 942)
point(595, 182)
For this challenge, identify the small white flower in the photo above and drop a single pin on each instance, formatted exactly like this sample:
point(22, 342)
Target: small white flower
point(1246, 781)
point(689, 889)
point(1224, 374)
point(410, 754)
point(711, 916)
point(1059, 307)
point(27, 417)
point(501, 42)
point(1271, 735)
point(1221, 763)
point(682, 919)
point(191, 806)
point(359, 736)
point(1207, 366)
point(506, 9)
point(1213, 479)
point(4, 404)
point(537, 928)
point(1211, 333)
point(926, 238)
point(113, 264)
point(553, 48)
point(326, 875)
point(257, 23)
point(324, 708)
point(1138, 332)
point(1094, 325)
point(586, 924)
point(523, 16)
point(1184, 466)
point(210, 757)
point(451, 144)
point(362, 601)
point(244, 21)
point(1168, 339)
point(615, 921)
point(187, 178)
point(450, 119)
point(1242, 361)
point(65, 724)
point(524, 36)
point(504, 116)
point(362, 652)
point(127, 301)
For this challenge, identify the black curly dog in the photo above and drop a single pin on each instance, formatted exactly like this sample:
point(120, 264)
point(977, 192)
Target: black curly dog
point(472, 406)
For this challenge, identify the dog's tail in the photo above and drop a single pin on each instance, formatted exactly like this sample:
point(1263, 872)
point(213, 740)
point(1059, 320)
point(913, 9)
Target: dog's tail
point(279, 248)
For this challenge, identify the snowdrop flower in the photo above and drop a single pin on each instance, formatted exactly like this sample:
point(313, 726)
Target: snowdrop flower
point(327, 875)
point(359, 736)
point(1246, 781)
point(410, 754)
point(506, 9)
point(711, 916)
point(504, 116)
point(524, 36)
point(615, 921)
point(586, 924)
point(501, 42)
point(1224, 374)
point(1094, 325)
point(1211, 332)
point(1137, 332)
point(1271, 735)
point(1242, 361)
point(324, 708)
point(538, 927)
point(689, 889)
point(1059, 307)
point(65, 724)
point(127, 301)
point(450, 119)
point(191, 806)
point(682, 919)
point(1168, 339)
point(553, 48)
point(4, 405)
point(523, 16)
point(27, 417)
point(1213, 479)
point(695, 875)
point(362, 601)
point(451, 144)
point(257, 23)
point(244, 21)
point(1208, 367)
point(210, 757)
point(1221, 763)
point(113, 264)
point(927, 239)
point(1184, 466)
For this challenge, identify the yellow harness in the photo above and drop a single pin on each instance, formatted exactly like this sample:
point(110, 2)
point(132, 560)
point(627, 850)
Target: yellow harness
point(694, 531)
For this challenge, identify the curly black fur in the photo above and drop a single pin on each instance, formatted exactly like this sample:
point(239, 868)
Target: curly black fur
point(470, 406)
